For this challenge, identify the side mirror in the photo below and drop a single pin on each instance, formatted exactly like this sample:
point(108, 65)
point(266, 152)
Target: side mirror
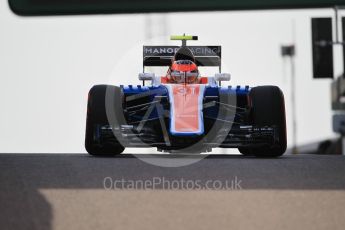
point(146, 76)
point(222, 77)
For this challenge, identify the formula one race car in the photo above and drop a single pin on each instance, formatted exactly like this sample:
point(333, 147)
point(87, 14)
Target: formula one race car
point(184, 111)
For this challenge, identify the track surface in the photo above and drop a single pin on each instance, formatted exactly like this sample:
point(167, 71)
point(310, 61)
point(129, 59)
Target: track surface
point(66, 191)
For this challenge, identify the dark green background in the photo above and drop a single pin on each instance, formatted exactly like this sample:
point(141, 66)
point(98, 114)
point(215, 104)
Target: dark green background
point(56, 7)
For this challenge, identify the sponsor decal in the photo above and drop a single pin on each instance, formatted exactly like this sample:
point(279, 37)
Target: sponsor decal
point(171, 50)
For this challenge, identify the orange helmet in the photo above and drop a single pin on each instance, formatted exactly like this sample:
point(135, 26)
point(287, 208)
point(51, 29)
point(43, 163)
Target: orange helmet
point(184, 71)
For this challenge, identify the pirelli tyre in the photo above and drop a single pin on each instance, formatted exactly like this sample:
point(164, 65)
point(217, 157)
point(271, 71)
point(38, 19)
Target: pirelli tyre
point(97, 117)
point(268, 109)
point(245, 151)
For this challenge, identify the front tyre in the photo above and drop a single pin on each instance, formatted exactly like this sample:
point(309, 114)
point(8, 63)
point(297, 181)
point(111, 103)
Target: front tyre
point(97, 117)
point(268, 109)
point(245, 151)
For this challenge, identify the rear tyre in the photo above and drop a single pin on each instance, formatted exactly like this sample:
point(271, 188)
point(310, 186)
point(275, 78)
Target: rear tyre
point(268, 109)
point(97, 116)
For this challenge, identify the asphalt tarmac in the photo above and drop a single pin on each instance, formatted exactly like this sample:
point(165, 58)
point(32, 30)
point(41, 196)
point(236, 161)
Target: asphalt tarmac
point(77, 191)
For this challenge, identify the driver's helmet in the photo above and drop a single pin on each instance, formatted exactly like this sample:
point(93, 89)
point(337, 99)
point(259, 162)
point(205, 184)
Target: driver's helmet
point(184, 71)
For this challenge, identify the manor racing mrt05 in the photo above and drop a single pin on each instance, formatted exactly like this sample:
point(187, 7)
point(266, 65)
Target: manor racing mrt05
point(185, 111)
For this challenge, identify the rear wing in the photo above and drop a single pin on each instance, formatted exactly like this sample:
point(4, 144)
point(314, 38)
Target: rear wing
point(163, 55)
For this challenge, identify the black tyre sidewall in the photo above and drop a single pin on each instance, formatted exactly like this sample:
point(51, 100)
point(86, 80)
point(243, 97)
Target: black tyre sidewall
point(268, 109)
point(96, 115)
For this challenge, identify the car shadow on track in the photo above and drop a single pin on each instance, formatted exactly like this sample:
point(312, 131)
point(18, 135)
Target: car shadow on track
point(23, 176)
